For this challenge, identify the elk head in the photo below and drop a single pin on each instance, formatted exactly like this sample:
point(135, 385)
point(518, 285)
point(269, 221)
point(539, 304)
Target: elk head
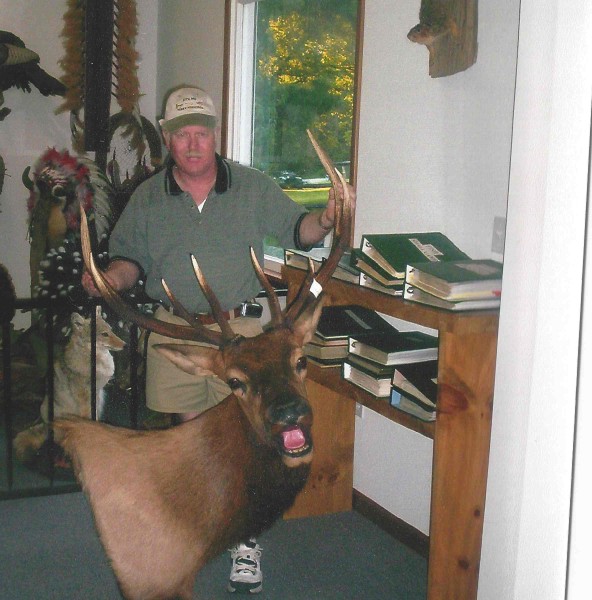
point(265, 373)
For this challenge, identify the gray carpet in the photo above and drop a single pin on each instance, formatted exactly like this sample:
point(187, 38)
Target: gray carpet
point(49, 551)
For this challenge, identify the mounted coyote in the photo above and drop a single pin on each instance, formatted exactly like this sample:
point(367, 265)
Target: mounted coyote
point(71, 380)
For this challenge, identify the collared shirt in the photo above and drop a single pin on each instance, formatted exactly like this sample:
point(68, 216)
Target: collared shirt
point(161, 227)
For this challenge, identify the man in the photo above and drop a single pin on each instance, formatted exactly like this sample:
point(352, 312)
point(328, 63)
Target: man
point(204, 205)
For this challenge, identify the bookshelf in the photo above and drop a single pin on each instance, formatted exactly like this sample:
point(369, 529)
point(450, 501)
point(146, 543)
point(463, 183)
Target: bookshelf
point(461, 433)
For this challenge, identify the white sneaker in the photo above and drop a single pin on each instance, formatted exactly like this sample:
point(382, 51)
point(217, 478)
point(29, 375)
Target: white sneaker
point(245, 575)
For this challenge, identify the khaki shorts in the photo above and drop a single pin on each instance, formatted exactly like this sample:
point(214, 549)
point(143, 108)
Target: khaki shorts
point(171, 390)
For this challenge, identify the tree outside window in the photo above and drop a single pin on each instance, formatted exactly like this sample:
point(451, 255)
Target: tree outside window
point(304, 78)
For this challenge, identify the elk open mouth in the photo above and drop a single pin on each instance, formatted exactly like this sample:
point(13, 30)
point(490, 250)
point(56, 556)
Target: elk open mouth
point(295, 441)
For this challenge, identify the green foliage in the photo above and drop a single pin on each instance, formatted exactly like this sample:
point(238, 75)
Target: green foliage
point(305, 79)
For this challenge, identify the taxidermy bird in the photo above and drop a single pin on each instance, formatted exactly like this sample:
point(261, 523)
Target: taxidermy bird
point(19, 68)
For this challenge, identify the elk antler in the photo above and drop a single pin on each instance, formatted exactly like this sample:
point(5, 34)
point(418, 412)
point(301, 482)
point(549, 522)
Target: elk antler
point(313, 283)
point(274, 304)
point(195, 331)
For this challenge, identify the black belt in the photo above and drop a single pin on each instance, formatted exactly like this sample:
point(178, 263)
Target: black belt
point(208, 318)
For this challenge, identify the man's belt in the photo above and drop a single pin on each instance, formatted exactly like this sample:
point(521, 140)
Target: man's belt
point(209, 319)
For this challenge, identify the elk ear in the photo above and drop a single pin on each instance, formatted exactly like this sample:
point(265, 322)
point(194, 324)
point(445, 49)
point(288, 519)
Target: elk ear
point(195, 360)
point(306, 324)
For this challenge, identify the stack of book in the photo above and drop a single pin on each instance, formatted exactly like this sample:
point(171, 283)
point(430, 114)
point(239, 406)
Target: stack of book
point(299, 260)
point(330, 342)
point(382, 258)
point(373, 360)
point(455, 285)
point(414, 389)
point(373, 276)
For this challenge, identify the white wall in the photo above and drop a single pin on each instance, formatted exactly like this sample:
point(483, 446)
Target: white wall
point(528, 499)
point(434, 152)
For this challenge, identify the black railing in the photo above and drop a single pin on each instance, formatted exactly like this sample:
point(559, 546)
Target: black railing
point(43, 474)
point(48, 472)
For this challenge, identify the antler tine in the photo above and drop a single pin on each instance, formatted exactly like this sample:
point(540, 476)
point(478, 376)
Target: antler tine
point(313, 284)
point(210, 335)
point(341, 235)
point(129, 313)
point(274, 304)
point(325, 160)
point(217, 311)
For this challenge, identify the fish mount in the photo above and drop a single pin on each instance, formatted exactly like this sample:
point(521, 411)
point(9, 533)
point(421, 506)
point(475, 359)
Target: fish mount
point(448, 29)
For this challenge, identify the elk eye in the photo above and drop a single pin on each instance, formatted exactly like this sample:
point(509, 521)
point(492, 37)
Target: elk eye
point(236, 384)
point(301, 364)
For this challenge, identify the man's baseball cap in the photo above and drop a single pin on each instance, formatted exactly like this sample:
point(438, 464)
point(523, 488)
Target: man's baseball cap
point(188, 106)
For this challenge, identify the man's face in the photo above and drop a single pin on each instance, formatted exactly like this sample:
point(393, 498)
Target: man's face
point(193, 149)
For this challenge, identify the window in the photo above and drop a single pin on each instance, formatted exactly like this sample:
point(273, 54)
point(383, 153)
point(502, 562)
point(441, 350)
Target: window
point(292, 67)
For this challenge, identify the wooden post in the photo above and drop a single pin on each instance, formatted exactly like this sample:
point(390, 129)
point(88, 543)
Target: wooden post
point(461, 455)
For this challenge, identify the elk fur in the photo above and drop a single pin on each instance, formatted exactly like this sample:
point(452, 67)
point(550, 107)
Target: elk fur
point(166, 502)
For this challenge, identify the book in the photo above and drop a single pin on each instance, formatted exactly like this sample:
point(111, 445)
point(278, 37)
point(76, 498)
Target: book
point(371, 367)
point(418, 381)
point(379, 386)
point(394, 251)
point(321, 351)
point(321, 341)
point(299, 260)
point(373, 270)
point(325, 363)
point(457, 280)
point(415, 294)
point(405, 404)
point(391, 290)
point(395, 347)
point(341, 322)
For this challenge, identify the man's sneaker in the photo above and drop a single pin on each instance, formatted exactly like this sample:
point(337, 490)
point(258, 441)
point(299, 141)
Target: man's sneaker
point(246, 576)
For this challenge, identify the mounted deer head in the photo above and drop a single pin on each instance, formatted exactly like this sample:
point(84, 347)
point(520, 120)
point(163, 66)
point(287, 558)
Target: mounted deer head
point(166, 502)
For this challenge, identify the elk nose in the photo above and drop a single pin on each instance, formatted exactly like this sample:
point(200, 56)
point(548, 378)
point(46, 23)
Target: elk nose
point(288, 409)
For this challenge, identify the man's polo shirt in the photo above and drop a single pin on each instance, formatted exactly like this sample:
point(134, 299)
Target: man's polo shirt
point(161, 227)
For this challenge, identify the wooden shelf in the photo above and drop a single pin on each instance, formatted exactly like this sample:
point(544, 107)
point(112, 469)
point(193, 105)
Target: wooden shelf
point(467, 345)
point(342, 292)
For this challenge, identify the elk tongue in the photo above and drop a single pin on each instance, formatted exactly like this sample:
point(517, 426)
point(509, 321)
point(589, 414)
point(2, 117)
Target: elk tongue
point(293, 438)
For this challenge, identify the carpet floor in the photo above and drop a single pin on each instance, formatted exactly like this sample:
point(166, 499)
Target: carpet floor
point(49, 550)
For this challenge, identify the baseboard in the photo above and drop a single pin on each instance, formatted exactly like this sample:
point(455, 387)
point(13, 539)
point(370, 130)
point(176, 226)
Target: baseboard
point(405, 533)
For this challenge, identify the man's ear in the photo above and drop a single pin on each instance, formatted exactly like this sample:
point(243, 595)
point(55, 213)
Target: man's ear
point(195, 360)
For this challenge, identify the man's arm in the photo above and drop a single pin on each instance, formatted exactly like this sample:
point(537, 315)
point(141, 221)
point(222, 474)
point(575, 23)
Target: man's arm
point(121, 274)
point(317, 224)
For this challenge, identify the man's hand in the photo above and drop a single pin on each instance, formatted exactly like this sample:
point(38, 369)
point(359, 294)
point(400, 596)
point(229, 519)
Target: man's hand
point(327, 217)
point(121, 275)
point(316, 225)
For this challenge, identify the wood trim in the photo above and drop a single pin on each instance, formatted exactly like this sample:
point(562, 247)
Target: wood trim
point(225, 81)
point(406, 534)
point(357, 92)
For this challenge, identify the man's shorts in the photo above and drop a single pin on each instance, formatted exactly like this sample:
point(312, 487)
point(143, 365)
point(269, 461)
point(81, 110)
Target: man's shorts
point(171, 390)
